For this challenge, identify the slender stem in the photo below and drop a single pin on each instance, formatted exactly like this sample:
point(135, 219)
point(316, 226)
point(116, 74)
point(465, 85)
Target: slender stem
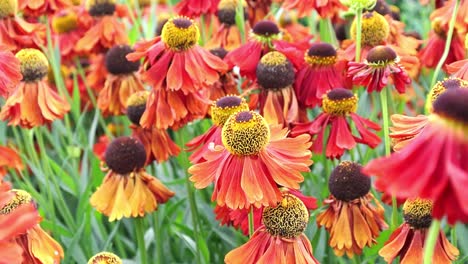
point(140, 235)
point(453, 234)
point(157, 237)
point(240, 20)
point(448, 41)
point(358, 34)
point(384, 103)
point(251, 221)
point(431, 240)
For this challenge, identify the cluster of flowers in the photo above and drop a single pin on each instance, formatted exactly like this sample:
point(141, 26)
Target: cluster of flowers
point(257, 84)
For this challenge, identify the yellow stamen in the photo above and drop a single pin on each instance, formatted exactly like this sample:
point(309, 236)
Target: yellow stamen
point(245, 133)
point(105, 258)
point(21, 197)
point(8, 8)
point(340, 107)
point(375, 29)
point(65, 23)
point(180, 33)
point(33, 64)
point(224, 107)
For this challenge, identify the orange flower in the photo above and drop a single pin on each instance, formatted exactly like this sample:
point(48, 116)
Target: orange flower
point(36, 8)
point(281, 239)
point(277, 99)
point(105, 258)
point(257, 10)
point(226, 85)
point(293, 31)
point(180, 72)
point(69, 26)
point(158, 144)
point(9, 158)
point(122, 81)
point(15, 32)
point(127, 190)
point(33, 102)
point(107, 30)
point(407, 241)
point(253, 161)
point(351, 219)
point(221, 110)
point(38, 247)
point(445, 12)
point(10, 69)
point(405, 128)
point(227, 35)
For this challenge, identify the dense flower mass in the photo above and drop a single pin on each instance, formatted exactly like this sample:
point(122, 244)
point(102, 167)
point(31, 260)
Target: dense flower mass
point(255, 116)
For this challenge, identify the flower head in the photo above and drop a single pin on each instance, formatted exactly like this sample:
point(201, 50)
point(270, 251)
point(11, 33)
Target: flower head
point(8, 8)
point(255, 159)
point(375, 29)
point(180, 34)
point(338, 105)
point(353, 221)
point(281, 239)
point(221, 110)
point(33, 103)
point(407, 241)
point(318, 75)
point(381, 63)
point(441, 177)
point(122, 81)
point(105, 258)
point(127, 190)
point(440, 87)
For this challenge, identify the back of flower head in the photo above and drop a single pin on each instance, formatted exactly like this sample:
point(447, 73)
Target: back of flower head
point(354, 218)
point(127, 190)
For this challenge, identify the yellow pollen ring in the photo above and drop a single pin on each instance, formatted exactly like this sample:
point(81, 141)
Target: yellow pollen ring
point(245, 137)
point(180, 38)
point(138, 98)
point(319, 60)
point(418, 208)
point(439, 89)
point(220, 115)
point(65, 23)
point(288, 219)
point(230, 4)
point(341, 107)
point(8, 8)
point(375, 29)
point(32, 62)
point(21, 197)
point(273, 58)
point(105, 258)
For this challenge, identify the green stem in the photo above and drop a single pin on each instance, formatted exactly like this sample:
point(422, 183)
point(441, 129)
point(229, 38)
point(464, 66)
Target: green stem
point(140, 235)
point(448, 41)
point(431, 240)
point(251, 221)
point(157, 237)
point(327, 34)
point(240, 20)
point(358, 34)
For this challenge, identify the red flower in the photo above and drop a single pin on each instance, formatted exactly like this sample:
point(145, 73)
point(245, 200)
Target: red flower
point(9, 158)
point(10, 71)
point(318, 75)
point(337, 105)
point(33, 102)
point(195, 8)
point(180, 72)
point(36, 8)
point(431, 54)
point(265, 38)
point(69, 26)
point(106, 32)
point(433, 165)
point(281, 240)
point(380, 64)
point(407, 241)
point(247, 170)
